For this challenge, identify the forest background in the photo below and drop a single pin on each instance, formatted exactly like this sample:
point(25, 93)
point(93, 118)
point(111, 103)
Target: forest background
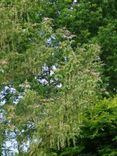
point(58, 77)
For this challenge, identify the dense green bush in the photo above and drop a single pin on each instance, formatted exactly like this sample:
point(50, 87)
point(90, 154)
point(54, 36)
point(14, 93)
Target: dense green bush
point(99, 135)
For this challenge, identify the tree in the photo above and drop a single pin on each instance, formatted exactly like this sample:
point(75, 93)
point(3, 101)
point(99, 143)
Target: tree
point(57, 120)
point(50, 69)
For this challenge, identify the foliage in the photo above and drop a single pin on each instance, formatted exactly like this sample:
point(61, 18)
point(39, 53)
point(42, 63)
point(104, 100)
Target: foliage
point(107, 37)
point(98, 131)
point(51, 74)
point(61, 119)
point(100, 126)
